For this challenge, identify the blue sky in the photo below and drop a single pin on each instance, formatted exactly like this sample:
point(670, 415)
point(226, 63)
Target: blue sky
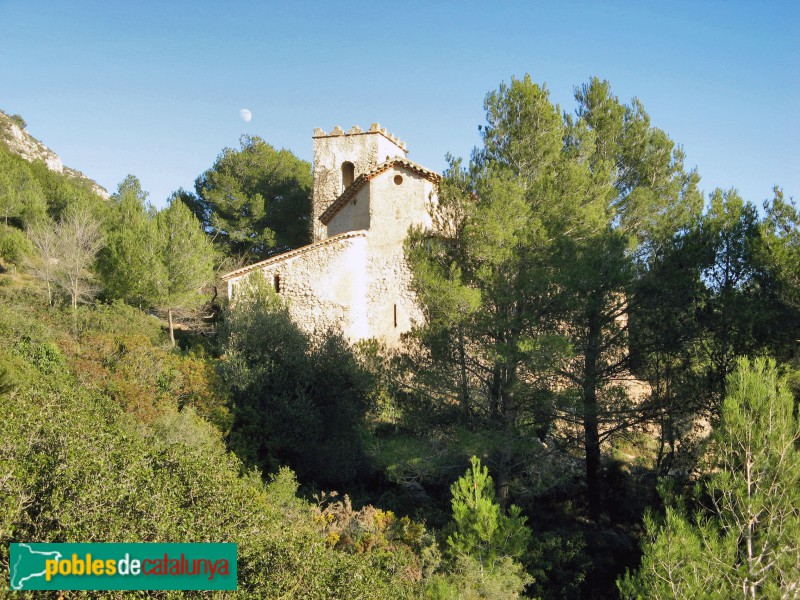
point(154, 88)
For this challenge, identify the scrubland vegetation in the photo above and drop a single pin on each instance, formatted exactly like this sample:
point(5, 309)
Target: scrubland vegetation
point(603, 401)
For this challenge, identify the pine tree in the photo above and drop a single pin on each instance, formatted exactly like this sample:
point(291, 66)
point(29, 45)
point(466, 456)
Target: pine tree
point(744, 542)
point(186, 258)
point(481, 530)
point(129, 264)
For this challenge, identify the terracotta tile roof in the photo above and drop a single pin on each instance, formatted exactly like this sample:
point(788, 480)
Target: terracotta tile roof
point(359, 182)
point(292, 254)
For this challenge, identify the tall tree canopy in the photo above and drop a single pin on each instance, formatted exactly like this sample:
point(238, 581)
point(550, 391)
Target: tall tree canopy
point(186, 260)
point(254, 201)
point(129, 265)
point(541, 240)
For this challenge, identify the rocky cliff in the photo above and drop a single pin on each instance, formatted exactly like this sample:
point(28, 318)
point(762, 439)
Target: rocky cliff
point(19, 141)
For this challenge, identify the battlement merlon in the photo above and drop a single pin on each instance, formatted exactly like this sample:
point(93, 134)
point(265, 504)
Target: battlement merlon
point(356, 130)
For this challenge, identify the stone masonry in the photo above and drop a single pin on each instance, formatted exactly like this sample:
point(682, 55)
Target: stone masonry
point(354, 277)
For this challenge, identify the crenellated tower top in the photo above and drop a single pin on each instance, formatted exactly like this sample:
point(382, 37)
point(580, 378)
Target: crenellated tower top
point(356, 130)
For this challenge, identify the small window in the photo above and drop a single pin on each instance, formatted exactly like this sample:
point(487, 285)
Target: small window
point(276, 283)
point(398, 179)
point(348, 174)
point(395, 315)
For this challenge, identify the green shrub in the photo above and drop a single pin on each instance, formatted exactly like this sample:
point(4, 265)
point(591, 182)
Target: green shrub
point(14, 245)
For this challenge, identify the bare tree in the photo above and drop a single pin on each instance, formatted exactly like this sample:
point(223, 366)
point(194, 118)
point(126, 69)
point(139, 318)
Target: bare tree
point(78, 240)
point(44, 265)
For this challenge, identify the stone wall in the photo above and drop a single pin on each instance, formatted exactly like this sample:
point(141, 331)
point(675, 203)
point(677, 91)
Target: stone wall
point(402, 199)
point(392, 307)
point(323, 284)
point(353, 217)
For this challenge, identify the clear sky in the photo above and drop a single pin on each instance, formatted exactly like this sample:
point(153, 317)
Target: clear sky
point(154, 87)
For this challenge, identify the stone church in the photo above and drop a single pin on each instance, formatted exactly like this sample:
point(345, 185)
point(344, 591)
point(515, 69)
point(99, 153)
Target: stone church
point(353, 277)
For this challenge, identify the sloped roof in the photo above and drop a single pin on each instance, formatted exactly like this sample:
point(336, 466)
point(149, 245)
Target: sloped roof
point(293, 253)
point(359, 182)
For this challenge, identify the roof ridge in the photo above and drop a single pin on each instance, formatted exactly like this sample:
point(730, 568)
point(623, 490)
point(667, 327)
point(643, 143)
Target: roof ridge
point(359, 181)
point(292, 253)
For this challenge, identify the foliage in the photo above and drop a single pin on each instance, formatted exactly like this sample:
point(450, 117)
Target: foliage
point(529, 279)
point(558, 562)
point(254, 201)
point(469, 580)
point(18, 121)
point(295, 401)
point(186, 260)
point(485, 544)
point(480, 529)
point(186, 255)
point(15, 247)
point(76, 467)
point(781, 234)
point(129, 264)
point(744, 540)
point(716, 291)
point(373, 529)
point(36, 191)
point(21, 196)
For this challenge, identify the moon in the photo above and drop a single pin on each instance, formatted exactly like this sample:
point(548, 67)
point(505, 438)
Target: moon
point(246, 115)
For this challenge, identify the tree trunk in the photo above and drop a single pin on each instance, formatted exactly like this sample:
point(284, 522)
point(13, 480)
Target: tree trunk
point(502, 483)
point(494, 395)
point(171, 329)
point(590, 421)
point(462, 359)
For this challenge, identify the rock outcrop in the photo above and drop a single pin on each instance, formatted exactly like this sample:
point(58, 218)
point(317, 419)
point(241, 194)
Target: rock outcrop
point(20, 142)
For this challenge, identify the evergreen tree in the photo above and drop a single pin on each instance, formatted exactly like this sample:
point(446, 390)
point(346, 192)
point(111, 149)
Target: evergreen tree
point(743, 542)
point(485, 545)
point(255, 201)
point(639, 195)
point(186, 260)
point(21, 197)
point(129, 264)
point(781, 236)
point(480, 529)
point(541, 240)
point(483, 278)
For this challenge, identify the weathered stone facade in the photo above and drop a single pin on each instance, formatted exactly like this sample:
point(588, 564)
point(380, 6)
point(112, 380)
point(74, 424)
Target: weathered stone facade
point(354, 277)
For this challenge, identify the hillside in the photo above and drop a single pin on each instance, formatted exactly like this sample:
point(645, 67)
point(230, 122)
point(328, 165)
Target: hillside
point(499, 453)
point(23, 144)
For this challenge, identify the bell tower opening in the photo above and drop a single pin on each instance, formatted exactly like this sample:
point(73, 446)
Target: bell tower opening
point(348, 174)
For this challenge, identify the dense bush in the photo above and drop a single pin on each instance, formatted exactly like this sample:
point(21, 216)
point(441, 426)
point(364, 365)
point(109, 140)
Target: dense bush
point(295, 401)
point(76, 467)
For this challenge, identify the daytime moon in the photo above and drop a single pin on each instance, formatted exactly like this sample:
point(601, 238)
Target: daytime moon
point(246, 115)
